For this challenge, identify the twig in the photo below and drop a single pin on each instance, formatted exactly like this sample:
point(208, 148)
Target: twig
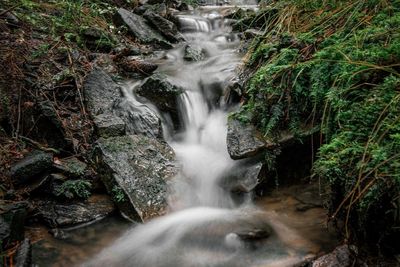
point(39, 146)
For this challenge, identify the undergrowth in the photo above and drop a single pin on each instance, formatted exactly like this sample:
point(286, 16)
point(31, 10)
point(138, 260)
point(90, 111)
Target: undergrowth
point(334, 65)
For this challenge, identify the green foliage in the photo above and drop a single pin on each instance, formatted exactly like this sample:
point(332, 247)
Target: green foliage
point(338, 71)
point(117, 194)
point(74, 189)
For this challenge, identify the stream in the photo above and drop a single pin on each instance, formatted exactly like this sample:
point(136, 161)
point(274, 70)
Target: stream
point(206, 224)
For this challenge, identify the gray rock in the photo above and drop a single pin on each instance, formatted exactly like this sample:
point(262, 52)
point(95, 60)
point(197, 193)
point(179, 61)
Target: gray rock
point(33, 164)
point(135, 170)
point(160, 92)
point(252, 33)
point(140, 29)
point(69, 214)
point(164, 26)
point(249, 178)
point(139, 120)
point(100, 92)
point(340, 257)
point(243, 140)
point(193, 53)
point(12, 221)
point(108, 125)
point(103, 98)
point(24, 254)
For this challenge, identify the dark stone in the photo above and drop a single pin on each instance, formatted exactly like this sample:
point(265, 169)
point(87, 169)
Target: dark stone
point(12, 221)
point(142, 67)
point(164, 26)
point(72, 167)
point(50, 128)
point(162, 94)
point(140, 29)
point(193, 53)
point(108, 125)
point(340, 257)
point(233, 92)
point(97, 40)
point(243, 140)
point(252, 33)
point(35, 163)
point(135, 170)
point(24, 254)
point(78, 212)
point(255, 234)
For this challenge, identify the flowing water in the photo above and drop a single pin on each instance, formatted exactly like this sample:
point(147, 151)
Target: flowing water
point(205, 225)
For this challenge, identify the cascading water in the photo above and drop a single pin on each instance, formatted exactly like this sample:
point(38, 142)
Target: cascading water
point(204, 226)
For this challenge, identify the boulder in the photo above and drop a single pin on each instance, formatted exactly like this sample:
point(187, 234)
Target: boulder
point(108, 125)
point(139, 119)
point(243, 140)
point(12, 221)
point(100, 92)
point(164, 26)
point(193, 53)
point(340, 257)
point(97, 40)
point(160, 92)
point(74, 213)
point(35, 163)
point(138, 26)
point(135, 170)
point(104, 102)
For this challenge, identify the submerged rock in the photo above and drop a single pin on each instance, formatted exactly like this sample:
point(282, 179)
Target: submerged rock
point(193, 53)
point(33, 164)
point(140, 29)
point(135, 170)
point(68, 214)
point(243, 140)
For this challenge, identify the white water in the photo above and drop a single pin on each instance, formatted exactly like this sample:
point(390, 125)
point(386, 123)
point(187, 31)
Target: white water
point(202, 228)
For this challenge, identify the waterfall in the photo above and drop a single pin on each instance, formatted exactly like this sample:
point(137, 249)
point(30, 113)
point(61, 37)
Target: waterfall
point(204, 227)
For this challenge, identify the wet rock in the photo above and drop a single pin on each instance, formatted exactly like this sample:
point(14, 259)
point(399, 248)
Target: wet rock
point(108, 125)
point(33, 164)
point(243, 140)
point(135, 170)
point(24, 254)
point(139, 120)
point(249, 178)
point(255, 234)
point(193, 53)
point(100, 92)
point(340, 257)
point(103, 96)
point(162, 94)
point(142, 67)
point(57, 214)
point(164, 26)
point(233, 92)
point(12, 220)
point(140, 29)
point(309, 199)
point(72, 167)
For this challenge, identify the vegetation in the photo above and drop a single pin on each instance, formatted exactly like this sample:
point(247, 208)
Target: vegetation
point(74, 189)
point(334, 66)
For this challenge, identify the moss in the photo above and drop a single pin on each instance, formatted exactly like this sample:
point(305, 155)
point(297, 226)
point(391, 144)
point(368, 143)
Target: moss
point(339, 72)
point(74, 189)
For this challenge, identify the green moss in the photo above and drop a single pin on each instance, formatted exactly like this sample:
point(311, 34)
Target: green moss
point(338, 71)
